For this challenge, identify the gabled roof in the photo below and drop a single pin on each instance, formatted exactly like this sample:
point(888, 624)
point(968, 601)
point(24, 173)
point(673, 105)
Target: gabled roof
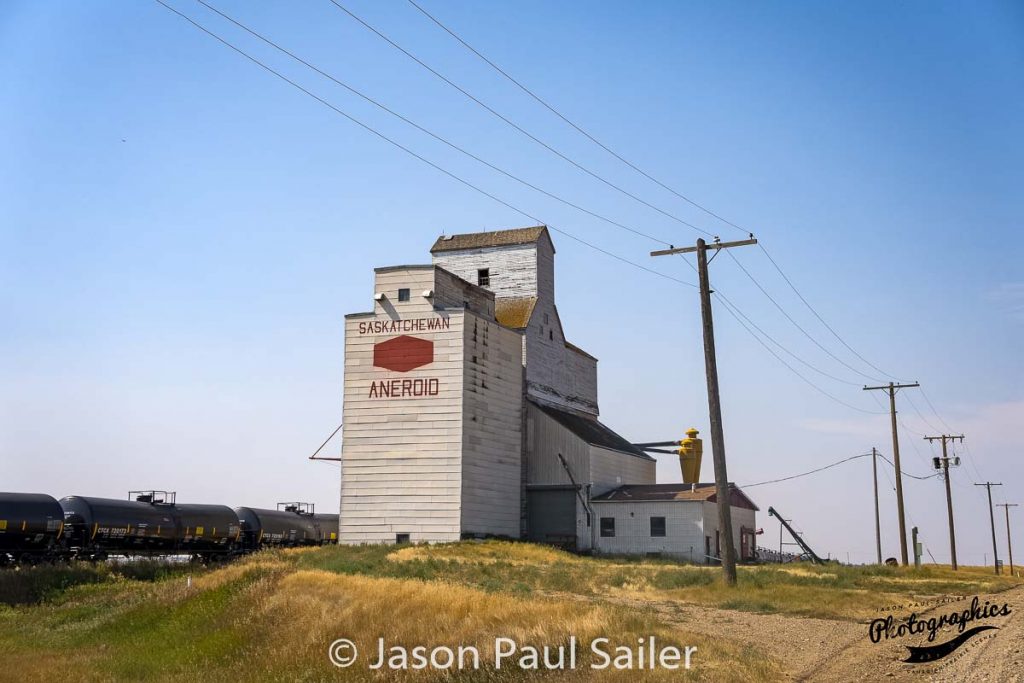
point(514, 311)
point(496, 238)
point(591, 431)
point(672, 492)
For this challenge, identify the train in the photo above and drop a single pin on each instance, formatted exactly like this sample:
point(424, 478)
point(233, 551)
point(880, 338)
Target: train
point(37, 528)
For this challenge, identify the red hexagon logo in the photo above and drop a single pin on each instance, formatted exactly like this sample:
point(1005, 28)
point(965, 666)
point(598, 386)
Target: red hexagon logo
point(403, 354)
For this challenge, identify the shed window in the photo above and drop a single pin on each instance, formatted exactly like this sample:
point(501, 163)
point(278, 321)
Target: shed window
point(657, 526)
point(401, 538)
point(607, 527)
point(403, 294)
point(483, 277)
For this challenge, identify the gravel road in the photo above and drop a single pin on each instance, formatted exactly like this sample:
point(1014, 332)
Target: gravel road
point(842, 652)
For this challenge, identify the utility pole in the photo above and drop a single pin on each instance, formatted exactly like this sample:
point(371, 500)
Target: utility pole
point(992, 518)
point(943, 464)
point(1009, 543)
point(878, 524)
point(722, 492)
point(891, 388)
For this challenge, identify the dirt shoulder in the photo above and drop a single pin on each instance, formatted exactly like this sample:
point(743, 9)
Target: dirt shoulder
point(811, 649)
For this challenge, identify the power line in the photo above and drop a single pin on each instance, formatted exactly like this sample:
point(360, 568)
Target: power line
point(783, 348)
point(907, 474)
point(728, 307)
point(930, 405)
point(435, 166)
point(433, 135)
point(816, 315)
point(514, 125)
point(804, 474)
point(461, 180)
point(970, 455)
point(830, 466)
point(633, 166)
point(415, 154)
point(974, 466)
point(925, 420)
point(888, 475)
point(794, 322)
point(735, 312)
point(579, 129)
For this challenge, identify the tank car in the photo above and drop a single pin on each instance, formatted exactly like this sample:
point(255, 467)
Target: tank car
point(281, 528)
point(209, 532)
point(150, 525)
point(327, 527)
point(98, 527)
point(31, 527)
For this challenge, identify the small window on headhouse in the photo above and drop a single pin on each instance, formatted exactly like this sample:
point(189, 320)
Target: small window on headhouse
point(607, 527)
point(483, 277)
point(657, 526)
point(551, 333)
point(403, 294)
point(401, 538)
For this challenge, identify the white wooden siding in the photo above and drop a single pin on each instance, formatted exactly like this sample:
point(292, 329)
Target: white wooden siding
point(554, 373)
point(741, 517)
point(491, 433)
point(611, 469)
point(684, 529)
point(401, 469)
point(513, 269)
point(546, 438)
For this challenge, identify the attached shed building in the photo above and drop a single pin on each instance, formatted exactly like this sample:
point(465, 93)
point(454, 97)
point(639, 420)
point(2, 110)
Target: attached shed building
point(671, 520)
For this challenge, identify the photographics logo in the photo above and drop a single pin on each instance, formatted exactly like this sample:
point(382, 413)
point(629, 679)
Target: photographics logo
point(887, 628)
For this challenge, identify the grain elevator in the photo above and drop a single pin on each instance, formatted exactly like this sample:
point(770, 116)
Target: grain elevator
point(467, 413)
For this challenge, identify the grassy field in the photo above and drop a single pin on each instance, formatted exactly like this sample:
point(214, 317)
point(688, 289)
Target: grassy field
point(270, 617)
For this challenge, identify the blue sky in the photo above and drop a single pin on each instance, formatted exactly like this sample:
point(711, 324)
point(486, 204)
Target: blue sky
point(181, 233)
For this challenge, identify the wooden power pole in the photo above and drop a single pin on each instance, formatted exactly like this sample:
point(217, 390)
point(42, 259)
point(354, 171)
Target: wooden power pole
point(992, 518)
point(722, 492)
point(878, 523)
point(943, 464)
point(891, 388)
point(1009, 543)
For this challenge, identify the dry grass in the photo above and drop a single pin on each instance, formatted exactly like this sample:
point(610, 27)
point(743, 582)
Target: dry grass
point(411, 613)
point(829, 591)
point(489, 551)
point(267, 619)
point(271, 617)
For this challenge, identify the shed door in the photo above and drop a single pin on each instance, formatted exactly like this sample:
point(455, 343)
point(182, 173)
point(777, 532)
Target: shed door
point(552, 517)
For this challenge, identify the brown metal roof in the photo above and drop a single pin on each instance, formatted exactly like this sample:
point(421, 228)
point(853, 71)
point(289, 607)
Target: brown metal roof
point(514, 311)
point(592, 431)
point(671, 492)
point(481, 240)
